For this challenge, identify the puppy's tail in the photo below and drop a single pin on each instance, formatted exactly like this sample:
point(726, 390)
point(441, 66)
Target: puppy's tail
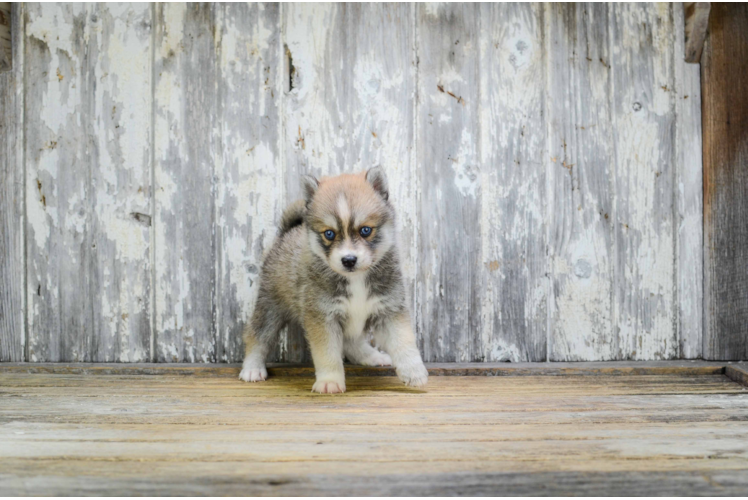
point(293, 216)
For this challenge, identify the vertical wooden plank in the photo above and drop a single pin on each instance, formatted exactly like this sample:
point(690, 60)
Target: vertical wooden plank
point(581, 168)
point(6, 41)
point(514, 265)
point(689, 197)
point(12, 219)
point(121, 99)
point(349, 106)
point(250, 189)
point(59, 241)
point(643, 119)
point(87, 183)
point(450, 179)
point(184, 127)
point(724, 80)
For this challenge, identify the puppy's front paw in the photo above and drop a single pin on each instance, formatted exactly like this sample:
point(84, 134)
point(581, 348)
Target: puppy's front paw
point(326, 385)
point(413, 374)
point(253, 373)
point(377, 359)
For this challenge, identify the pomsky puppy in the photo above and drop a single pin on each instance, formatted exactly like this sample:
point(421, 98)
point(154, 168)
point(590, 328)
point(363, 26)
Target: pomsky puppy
point(334, 270)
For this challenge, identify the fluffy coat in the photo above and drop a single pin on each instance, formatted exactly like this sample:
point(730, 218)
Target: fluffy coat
point(336, 288)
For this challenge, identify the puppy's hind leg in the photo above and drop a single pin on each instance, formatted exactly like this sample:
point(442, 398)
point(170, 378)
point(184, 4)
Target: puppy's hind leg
point(259, 336)
point(361, 352)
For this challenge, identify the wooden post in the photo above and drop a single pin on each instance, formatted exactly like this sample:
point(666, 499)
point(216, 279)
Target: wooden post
point(697, 19)
point(724, 81)
point(6, 59)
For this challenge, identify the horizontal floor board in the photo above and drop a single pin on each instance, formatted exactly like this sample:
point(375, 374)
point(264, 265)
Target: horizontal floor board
point(706, 482)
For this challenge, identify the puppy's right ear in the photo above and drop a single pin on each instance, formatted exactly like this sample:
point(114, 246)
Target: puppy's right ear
point(309, 185)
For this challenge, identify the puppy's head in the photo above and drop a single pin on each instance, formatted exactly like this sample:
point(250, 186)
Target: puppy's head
point(349, 219)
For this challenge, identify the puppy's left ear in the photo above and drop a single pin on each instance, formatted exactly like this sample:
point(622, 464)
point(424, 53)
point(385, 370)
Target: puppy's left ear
point(375, 176)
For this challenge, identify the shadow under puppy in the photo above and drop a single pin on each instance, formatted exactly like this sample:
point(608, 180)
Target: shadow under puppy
point(334, 270)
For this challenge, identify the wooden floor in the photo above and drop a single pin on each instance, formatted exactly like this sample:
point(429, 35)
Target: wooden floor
point(669, 429)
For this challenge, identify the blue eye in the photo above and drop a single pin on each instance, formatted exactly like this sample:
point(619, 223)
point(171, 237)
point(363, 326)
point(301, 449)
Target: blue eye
point(365, 231)
point(329, 234)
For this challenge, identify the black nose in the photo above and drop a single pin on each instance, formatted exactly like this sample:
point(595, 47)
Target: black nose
point(349, 261)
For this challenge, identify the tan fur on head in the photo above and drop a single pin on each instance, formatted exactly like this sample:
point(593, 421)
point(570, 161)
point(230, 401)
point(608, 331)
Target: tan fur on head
point(344, 205)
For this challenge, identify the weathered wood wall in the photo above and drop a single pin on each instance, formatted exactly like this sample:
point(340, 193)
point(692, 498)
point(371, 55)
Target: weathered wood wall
point(545, 161)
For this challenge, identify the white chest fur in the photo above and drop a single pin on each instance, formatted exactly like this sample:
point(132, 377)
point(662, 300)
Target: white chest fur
point(358, 306)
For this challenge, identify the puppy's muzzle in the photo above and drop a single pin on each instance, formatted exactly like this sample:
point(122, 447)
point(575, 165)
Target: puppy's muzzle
point(349, 261)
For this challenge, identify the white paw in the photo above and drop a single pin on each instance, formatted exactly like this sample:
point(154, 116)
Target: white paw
point(377, 359)
point(413, 374)
point(252, 373)
point(327, 386)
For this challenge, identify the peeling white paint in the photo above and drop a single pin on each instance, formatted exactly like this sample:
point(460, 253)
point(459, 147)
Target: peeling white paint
point(502, 351)
point(467, 173)
point(431, 9)
point(689, 177)
point(645, 311)
point(490, 129)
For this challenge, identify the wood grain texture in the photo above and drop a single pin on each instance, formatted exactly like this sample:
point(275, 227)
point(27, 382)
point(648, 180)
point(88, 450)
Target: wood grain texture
point(689, 195)
point(581, 170)
point(568, 483)
point(88, 182)
point(75, 434)
point(59, 109)
point(185, 142)
point(695, 24)
point(513, 203)
point(738, 373)
point(349, 107)
point(643, 118)
point(12, 220)
point(120, 181)
point(724, 78)
point(249, 194)
point(450, 182)
point(544, 162)
point(6, 37)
